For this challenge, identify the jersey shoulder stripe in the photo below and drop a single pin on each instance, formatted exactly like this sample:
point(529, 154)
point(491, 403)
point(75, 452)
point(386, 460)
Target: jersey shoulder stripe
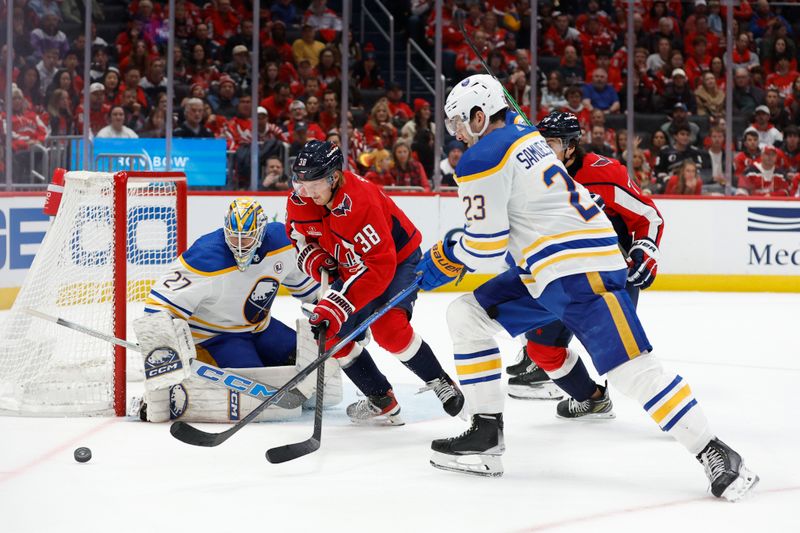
point(491, 154)
point(275, 239)
point(209, 255)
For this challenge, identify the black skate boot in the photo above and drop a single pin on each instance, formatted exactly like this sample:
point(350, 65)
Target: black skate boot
point(726, 472)
point(448, 393)
point(477, 451)
point(523, 365)
point(588, 409)
point(381, 410)
point(533, 384)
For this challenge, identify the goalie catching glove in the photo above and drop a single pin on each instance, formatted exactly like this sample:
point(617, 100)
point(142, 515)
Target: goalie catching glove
point(167, 346)
point(643, 263)
point(439, 266)
point(312, 259)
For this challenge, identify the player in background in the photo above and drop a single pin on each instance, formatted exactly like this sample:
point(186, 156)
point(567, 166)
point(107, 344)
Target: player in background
point(520, 199)
point(345, 225)
point(639, 227)
point(224, 285)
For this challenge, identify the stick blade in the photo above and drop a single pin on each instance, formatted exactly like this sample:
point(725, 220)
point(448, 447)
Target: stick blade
point(288, 452)
point(197, 437)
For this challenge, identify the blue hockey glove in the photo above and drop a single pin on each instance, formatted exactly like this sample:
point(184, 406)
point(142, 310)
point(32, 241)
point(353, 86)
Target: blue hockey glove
point(439, 266)
point(643, 263)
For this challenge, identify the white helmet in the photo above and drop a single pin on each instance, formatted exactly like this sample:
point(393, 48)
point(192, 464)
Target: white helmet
point(479, 90)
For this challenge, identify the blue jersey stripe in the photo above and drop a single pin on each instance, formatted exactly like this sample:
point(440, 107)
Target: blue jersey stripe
point(173, 304)
point(303, 295)
point(474, 355)
point(290, 286)
point(479, 380)
point(570, 245)
point(679, 415)
point(663, 393)
point(487, 235)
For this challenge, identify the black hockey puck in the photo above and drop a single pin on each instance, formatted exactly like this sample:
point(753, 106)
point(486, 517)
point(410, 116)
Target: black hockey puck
point(82, 454)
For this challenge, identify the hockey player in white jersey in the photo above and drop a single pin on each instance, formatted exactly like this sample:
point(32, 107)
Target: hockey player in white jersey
point(519, 199)
point(223, 286)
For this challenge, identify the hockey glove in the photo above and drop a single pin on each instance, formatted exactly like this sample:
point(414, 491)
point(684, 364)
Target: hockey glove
point(330, 314)
point(312, 259)
point(438, 266)
point(643, 263)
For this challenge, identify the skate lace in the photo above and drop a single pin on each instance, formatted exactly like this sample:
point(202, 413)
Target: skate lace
point(714, 464)
point(443, 390)
point(579, 407)
point(366, 409)
point(469, 430)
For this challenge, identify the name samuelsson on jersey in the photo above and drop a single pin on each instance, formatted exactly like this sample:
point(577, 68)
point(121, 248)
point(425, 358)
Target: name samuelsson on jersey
point(531, 154)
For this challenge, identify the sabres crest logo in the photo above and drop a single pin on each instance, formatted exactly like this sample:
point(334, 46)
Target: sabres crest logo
point(344, 207)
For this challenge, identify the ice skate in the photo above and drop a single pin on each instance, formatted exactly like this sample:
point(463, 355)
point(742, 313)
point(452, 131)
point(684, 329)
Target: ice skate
point(728, 476)
point(448, 393)
point(477, 451)
point(523, 365)
point(377, 410)
point(587, 409)
point(533, 384)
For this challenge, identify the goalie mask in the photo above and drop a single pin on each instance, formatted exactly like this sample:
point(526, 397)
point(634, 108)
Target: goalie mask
point(479, 90)
point(244, 229)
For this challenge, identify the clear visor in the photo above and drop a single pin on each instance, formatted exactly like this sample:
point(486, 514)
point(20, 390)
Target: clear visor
point(309, 188)
point(452, 124)
point(556, 144)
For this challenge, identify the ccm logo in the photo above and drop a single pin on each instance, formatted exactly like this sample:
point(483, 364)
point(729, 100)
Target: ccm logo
point(232, 381)
point(163, 369)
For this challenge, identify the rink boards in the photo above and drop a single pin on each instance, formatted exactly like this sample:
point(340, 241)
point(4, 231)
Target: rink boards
point(709, 243)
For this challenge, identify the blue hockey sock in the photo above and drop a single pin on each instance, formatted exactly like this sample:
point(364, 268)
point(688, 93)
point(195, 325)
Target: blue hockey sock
point(577, 382)
point(366, 376)
point(424, 363)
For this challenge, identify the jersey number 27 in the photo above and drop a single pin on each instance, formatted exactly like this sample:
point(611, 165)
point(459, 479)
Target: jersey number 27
point(574, 198)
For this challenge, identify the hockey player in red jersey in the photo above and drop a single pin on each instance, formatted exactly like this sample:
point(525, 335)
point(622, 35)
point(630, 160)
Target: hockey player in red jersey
point(348, 227)
point(638, 225)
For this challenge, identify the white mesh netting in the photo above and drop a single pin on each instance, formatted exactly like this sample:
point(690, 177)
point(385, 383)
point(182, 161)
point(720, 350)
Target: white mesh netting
point(46, 369)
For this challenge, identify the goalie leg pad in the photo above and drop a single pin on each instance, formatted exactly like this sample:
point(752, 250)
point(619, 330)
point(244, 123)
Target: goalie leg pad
point(196, 400)
point(306, 354)
point(666, 397)
point(167, 347)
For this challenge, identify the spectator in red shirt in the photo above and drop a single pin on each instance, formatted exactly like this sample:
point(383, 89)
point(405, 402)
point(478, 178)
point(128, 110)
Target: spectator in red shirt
point(791, 149)
point(702, 30)
point(323, 19)
point(304, 73)
point(328, 71)
point(366, 74)
point(467, 62)
point(406, 171)
point(27, 129)
point(379, 127)
point(764, 178)
point(98, 109)
point(329, 116)
point(783, 77)
point(397, 107)
point(275, 36)
point(560, 35)
point(750, 154)
point(379, 163)
point(278, 103)
point(699, 62)
point(223, 21)
point(495, 35)
point(686, 182)
point(299, 114)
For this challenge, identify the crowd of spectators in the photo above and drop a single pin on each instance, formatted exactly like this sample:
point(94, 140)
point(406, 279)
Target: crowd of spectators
point(678, 83)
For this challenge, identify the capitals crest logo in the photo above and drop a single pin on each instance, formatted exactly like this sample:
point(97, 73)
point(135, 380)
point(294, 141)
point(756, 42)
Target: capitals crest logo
point(344, 207)
point(295, 199)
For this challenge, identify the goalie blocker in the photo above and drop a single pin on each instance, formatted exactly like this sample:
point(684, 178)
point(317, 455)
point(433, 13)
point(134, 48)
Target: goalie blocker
point(172, 391)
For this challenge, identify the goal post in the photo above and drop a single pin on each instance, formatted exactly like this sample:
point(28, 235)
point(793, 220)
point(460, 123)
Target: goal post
point(113, 236)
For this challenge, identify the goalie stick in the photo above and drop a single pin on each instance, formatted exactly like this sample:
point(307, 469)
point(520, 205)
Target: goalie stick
point(288, 452)
point(191, 435)
point(486, 67)
point(216, 376)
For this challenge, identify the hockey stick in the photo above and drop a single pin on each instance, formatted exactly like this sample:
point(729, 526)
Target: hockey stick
point(288, 452)
point(216, 376)
point(197, 437)
point(487, 68)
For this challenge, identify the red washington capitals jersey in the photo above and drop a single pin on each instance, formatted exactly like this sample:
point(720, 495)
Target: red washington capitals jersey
point(365, 232)
point(633, 214)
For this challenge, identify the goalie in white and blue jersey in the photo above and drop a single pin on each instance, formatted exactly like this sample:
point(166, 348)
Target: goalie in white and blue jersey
point(519, 199)
point(224, 286)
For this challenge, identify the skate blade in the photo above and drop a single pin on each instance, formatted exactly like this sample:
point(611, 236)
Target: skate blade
point(590, 416)
point(742, 486)
point(383, 420)
point(545, 391)
point(474, 464)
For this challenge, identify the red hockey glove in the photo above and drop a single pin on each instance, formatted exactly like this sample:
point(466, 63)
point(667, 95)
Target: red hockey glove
point(643, 263)
point(312, 259)
point(330, 314)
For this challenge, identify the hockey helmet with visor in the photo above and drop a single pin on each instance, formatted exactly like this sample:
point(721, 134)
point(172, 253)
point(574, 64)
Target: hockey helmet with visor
point(562, 126)
point(316, 165)
point(479, 90)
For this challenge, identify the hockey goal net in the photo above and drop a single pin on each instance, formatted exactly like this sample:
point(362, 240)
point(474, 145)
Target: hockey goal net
point(113, 236)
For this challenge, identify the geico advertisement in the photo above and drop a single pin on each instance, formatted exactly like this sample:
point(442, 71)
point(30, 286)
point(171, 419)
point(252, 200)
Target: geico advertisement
point(700, 236)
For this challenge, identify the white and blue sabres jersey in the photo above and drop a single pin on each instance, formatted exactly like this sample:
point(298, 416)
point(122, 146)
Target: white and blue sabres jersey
point(205, 288)
point(519, 199)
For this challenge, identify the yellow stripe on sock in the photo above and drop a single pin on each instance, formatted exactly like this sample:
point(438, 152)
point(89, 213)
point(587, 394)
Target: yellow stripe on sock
point(665, 409)
point(620, 321)
point(478, 367)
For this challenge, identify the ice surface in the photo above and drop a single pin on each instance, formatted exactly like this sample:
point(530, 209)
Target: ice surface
point(738, 351)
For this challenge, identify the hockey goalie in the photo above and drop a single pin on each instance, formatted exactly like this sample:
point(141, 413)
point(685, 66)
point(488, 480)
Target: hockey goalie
point(213, 304)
